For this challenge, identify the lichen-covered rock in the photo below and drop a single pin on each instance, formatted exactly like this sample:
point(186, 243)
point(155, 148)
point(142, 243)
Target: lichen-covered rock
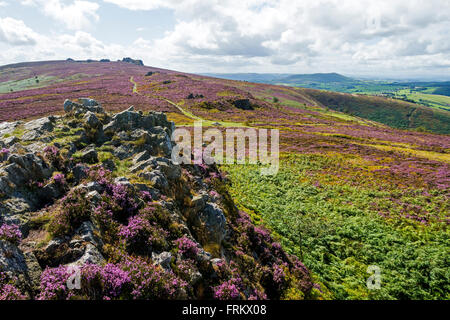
point(12, 260)
point(162, 259)
point(25, 168)
point(84, 105)
point(91, 120)
point(8, 127)
point(100, 192)
point(89, 156)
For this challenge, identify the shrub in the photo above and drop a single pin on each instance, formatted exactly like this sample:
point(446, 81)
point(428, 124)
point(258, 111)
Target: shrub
point(73, 209)
point(7, 289)
point(228, 290)
point(11, 233)
point(187, 247)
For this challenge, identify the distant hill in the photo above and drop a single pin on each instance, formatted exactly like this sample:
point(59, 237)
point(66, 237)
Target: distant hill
point(316, 77)
point(283, 77)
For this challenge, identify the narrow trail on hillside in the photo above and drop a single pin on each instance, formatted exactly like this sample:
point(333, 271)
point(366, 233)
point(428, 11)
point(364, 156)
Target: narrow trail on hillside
point(185, 112)
point(188, 114)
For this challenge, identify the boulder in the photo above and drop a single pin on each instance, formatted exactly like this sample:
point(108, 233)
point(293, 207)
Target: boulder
point(91, 255)
point(89, 156)
point(157, 178)
point(8, 127)
point(91, 120)
point(25, 168)
point(162, 259)
point(12, 260)
point(209, 222)
point(68, 106)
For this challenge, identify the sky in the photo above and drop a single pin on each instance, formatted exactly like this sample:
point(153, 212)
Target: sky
point(367, 38)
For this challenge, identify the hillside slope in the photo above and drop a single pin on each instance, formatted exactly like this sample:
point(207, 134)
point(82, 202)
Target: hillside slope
point(394, 113)
point(351, 193)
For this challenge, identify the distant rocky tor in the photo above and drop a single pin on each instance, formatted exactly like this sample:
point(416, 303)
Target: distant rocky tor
point(99, 192)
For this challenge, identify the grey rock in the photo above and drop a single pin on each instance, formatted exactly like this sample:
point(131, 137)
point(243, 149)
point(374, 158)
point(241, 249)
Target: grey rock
point(142, 156)
point(210, 224)
point(53, 245)
point(68, 106)
point(89, 156)
point(36, 128)
point(91, 120)
point(171, 171)
point(42, 124)
point(91, 255)
point(109, 164)
point(12, 260)
point(90, 186)
point(163, 259)
point(79, 172)
point(87, 102)
point(94, 196)
point(87, 233)
point(8, 142)
point(23, 168)
point(157, 178)
point(123, 181)
point(8, 127)
point(34, 270)
point(122, 152)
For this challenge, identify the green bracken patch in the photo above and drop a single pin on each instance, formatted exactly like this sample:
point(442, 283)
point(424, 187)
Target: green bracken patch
point(337, 232)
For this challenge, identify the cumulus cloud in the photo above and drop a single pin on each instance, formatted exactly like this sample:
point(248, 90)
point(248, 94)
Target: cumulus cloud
point(15, 32)
point(347, 36)
point(328, 34)
point(76, 15)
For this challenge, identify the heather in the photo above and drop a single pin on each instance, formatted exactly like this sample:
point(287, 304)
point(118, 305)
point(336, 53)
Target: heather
point(106, 207)
point(93, 186)
point(338, 229)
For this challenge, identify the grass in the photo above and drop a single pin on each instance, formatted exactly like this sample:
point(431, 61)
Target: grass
point(336, 230)
point(431, 100)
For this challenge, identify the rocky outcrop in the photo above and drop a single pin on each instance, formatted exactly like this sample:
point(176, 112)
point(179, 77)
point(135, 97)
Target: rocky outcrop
point(133, 61)
point(90, 187)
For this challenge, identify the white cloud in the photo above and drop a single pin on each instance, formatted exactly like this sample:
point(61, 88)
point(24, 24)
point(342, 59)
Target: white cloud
point(3, 4)
point(305, 36)
point(15, 32)
point(348, 36)
point(76, 16)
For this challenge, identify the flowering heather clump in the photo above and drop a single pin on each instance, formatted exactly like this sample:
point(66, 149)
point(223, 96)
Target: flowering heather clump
point(136, 234)
point(184, 268)
point(73, 209)
point(214, 194)
point(258, 295)
point(54, 284)
point(59, 179)
point(187, 247)
point(8, 291)
point(51, 152)
point(122, 201)
point(97, 282)
point(99, 174)
point(146, 196)
point(106, 282)
point(279, 276)
point(11, 233)
point(228, 290)
point(152, 282)
point(135, 225)
point(4, 154)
